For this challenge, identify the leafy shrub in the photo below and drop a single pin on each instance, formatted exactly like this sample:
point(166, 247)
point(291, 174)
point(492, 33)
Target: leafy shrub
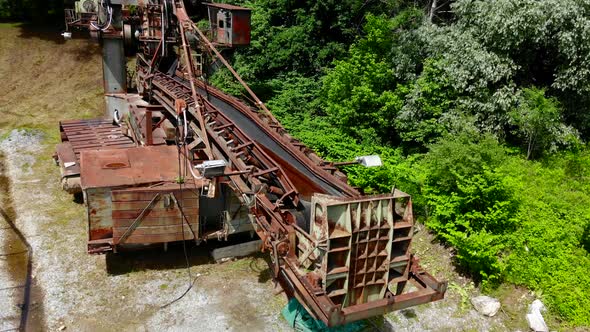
point(471, 206)
point(547, 250)
point(538, 123)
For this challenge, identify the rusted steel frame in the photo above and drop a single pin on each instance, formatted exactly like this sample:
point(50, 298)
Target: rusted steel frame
point(273, 122)
point(425, 279)
point(239, 184)
point(135, 127)
point(149, 129)
point(167, 102)
point(287, 144)
point(302, 232)
point(238, 163)
point(305, 294)
point(264, 206)
point(262, 157)
point(89, 135)
point(189, 68)
point(270, 219)
point(383, 306)
point(314, 244)
point(276, 227)
point(156, 53)
point(138, 220)
point(234, 73)
point(161, 81)
point(323, 309)
point(143, 61)
point(269, 209)
point(263, 172)
point(431, 290)
point(144, 129)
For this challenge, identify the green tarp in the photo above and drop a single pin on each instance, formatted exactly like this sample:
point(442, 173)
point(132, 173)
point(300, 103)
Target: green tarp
point(301, 321)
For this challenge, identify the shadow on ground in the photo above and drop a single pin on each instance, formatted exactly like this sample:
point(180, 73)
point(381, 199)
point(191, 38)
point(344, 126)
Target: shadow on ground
point(52, 33)
point(155, 258)
point(47, 32)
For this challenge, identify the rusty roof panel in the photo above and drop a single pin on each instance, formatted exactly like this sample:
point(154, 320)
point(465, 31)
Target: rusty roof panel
point(90, 134)
point(226, 6)
point(129, 167)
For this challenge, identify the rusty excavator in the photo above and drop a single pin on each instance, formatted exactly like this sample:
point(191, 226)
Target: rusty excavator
point(175, 159)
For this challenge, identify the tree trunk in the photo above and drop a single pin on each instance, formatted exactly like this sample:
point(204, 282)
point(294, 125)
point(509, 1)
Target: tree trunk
point(531, 145)
point(432, 10)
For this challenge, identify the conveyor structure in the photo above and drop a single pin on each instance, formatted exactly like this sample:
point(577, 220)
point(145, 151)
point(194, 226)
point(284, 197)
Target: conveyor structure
point(179, 160)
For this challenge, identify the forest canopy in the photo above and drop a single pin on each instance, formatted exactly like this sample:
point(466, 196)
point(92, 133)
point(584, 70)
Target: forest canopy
point(39, 11)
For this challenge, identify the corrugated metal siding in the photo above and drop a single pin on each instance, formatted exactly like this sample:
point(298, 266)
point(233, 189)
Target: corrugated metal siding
point(161, 223)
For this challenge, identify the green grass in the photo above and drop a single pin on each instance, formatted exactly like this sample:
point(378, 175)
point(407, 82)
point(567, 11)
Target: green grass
point(48, 80)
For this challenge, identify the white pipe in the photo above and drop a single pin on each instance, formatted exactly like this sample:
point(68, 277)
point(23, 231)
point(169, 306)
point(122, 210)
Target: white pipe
point(110, 20)
point(117, 117)
point(185, 126)
point(190, 168)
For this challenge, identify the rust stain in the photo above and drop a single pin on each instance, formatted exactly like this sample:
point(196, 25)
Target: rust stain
point(101, 233)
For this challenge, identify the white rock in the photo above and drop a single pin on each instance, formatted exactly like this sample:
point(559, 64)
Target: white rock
point(486, 305)
point(535, 318)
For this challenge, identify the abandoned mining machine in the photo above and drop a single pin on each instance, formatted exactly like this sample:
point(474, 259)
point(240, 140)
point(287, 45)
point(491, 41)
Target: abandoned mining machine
point(175, 159)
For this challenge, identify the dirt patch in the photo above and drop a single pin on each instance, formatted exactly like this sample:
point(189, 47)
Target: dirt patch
point(45, 81)
point(454, 312)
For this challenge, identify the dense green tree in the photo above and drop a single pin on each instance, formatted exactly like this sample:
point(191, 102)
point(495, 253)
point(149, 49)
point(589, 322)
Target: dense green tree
point(303, 36)
point(361, 93)
point(538, 122)
point(547, 40)
point(38, 11)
